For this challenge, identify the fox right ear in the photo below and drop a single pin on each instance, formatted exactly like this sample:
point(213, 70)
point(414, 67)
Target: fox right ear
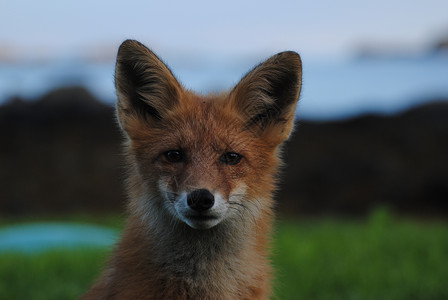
point(146, 88)
point(267, 96)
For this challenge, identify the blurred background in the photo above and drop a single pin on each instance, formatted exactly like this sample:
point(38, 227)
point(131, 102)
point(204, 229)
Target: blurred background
point(363, 202)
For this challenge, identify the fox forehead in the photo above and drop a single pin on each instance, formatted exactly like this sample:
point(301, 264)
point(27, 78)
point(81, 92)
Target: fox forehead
point(199, 123)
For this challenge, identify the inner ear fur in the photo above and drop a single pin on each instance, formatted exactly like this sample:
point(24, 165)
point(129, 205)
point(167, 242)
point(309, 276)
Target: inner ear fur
point(146, 88)
point(266, 97)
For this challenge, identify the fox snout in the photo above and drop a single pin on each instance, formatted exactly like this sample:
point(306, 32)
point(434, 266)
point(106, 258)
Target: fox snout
point(200, 200)
point(200, 208)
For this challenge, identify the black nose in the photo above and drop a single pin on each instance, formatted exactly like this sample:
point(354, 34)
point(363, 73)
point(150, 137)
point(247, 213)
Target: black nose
point(200, 200)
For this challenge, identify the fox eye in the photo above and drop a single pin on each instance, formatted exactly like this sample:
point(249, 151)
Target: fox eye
point(174, 156)
point(230, 158)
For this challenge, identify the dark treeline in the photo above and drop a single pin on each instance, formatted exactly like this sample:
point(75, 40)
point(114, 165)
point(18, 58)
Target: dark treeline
point(62, 154)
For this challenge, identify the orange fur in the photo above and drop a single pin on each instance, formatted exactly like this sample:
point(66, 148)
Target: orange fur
point(222, 252)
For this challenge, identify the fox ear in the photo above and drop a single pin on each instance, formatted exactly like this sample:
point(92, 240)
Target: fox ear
point(146, 88)
point(266, 97)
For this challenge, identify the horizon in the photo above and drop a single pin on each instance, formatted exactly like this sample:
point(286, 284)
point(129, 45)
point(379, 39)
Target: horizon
point(209, 46)
point(317, 30)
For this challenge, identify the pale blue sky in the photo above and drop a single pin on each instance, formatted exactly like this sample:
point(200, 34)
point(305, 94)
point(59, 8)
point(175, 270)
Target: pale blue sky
point(314, 28)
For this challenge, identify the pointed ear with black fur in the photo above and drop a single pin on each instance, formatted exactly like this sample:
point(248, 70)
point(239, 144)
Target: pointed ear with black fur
point(146, 88)
point(266, 97)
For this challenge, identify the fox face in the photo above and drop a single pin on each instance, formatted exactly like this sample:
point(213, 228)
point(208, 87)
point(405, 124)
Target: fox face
point(203, 160)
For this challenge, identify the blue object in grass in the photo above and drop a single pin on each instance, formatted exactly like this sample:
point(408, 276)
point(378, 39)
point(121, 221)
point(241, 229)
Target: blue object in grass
point(39, 237)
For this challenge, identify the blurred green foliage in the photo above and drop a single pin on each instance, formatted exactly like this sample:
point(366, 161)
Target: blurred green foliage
point(381, 258)
point(51, 275)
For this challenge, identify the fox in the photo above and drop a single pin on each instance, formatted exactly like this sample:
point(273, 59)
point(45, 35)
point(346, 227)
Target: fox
point(202, 171)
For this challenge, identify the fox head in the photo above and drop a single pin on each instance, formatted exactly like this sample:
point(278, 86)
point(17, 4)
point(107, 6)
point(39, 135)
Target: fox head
point(203, 160)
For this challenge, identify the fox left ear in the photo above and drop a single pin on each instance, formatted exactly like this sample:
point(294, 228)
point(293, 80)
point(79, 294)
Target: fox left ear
point(146, 88)
point(267, 96)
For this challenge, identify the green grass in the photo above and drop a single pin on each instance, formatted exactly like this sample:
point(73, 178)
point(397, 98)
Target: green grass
point(379, 259)
point(382, 258)
point(51, 275)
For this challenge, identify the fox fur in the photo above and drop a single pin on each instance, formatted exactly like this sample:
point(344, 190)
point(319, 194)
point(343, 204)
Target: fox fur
point(227, 147)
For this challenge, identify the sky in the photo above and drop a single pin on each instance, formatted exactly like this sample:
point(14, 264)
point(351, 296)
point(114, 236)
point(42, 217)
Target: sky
point(318, 28)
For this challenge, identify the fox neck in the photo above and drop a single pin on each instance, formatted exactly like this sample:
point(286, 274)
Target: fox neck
point(221, 261)
point(165, 255)
point(174, 243)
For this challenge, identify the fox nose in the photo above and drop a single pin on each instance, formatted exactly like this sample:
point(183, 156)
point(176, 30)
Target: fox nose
point(200, 200)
